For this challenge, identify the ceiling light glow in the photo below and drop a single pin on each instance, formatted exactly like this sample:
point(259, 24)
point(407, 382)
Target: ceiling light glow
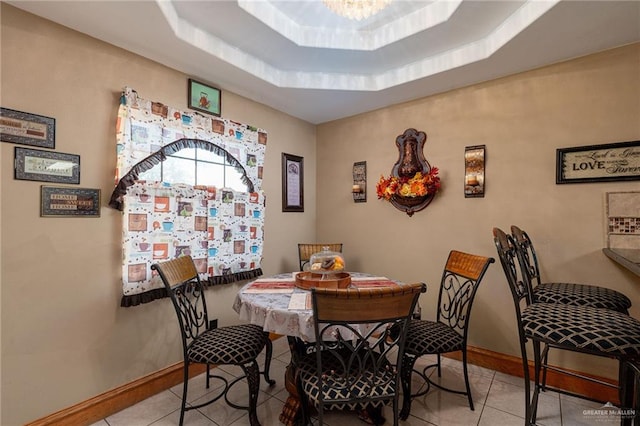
point(356, 9)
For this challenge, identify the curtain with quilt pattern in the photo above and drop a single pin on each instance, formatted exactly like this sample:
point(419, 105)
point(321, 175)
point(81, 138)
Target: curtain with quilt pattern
point(220, 228)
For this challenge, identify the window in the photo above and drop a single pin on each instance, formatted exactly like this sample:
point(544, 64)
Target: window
point(196, 166)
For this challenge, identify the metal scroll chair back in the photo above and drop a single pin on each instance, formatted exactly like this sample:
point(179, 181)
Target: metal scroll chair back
point(187, 295)
point(520, 289)
point(460, 280)
point(562, 292)
point(528, 257)
point(305, 250)
point(205, 343)
point(360, 336)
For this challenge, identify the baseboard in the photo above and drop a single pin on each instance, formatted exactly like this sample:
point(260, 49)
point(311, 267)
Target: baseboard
point(110, 402)
point(513, 366)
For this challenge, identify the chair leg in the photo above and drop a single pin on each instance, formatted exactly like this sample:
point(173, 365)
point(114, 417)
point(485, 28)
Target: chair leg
point(208, 376)
point(626, 376)
point(527, 384)
point(304, 405)
point(466, 377)
point(185, 386)
point(408, 362)
point(252, 372)
point(267, 360)
point(545, 362)
point(537, 362)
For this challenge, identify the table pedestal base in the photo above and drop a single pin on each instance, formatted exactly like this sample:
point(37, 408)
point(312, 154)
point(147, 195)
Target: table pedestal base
point(291, 411)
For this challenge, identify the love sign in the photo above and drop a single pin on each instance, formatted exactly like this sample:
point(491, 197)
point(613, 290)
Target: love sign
point(598, 163)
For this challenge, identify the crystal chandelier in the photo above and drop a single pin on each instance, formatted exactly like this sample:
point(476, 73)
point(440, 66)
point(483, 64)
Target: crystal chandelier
point(356, 9)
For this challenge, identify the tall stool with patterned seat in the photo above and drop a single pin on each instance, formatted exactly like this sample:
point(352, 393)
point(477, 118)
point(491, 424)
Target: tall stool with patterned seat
point(583, 329)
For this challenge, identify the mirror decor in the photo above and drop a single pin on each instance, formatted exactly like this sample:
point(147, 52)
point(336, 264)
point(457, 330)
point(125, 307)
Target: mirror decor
point(413, 183)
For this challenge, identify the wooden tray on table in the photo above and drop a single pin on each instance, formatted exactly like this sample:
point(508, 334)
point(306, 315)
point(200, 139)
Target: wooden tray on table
point(309, 280)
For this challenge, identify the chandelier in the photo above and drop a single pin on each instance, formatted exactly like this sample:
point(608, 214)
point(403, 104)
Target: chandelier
point(356, 9)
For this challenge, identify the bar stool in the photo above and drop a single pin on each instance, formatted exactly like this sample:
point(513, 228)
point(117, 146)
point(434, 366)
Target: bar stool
point(584, 329)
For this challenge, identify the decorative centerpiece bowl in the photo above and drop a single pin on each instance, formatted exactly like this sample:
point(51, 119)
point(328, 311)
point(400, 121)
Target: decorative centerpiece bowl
point(308, 280)
point(326, 270)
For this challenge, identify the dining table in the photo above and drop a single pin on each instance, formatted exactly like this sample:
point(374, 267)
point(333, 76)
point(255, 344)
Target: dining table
point(283, 308)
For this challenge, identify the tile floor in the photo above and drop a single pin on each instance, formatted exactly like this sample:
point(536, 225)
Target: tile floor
point(498, 399)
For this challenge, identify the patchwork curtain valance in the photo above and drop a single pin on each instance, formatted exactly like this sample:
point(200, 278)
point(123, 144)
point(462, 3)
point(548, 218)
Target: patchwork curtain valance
point(220, 228)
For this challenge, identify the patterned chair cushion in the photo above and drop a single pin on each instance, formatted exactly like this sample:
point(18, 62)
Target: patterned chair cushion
point(583, 295)
point(431, 337)
point(333, 388)
point(593, 330)
point(237, 345)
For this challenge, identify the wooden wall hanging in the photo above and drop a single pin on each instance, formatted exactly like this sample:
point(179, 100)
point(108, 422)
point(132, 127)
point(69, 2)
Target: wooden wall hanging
point(413, 182)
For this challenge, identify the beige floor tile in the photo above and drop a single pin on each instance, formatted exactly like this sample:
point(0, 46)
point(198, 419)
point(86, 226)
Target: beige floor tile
point(147, 411)
point(492, 417)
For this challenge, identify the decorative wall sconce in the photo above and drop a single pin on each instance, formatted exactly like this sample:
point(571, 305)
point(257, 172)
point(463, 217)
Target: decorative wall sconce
point(413, 182)
point(474, 171)
point(359, 188)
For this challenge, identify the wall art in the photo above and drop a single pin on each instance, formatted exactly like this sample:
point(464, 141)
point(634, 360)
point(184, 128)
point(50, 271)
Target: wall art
point(474, 179)
point(359, 188)
point(56, 201)
point(27, 129)
point(598, 163)
point(292, 183)
point(46, 166)
point(413, 183)
point(204, 98)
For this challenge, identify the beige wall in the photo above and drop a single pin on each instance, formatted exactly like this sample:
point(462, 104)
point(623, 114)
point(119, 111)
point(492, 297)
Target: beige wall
point(522, 120)
point(64, 337)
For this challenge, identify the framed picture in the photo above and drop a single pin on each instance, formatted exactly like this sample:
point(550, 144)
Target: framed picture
point(56, 201)
point(204, 98)
point(46, 166)
point(474, 179)
point(598, 163)
point(27, 129)
point(292, 183)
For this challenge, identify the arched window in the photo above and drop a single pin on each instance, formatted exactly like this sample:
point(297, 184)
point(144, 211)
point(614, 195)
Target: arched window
point(198, 167)
point(187, 184)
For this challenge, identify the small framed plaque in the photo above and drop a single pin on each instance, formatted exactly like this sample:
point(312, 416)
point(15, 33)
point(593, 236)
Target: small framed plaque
point(57, 201)
point(292, 183)
point(27, 129)
point(46, 166)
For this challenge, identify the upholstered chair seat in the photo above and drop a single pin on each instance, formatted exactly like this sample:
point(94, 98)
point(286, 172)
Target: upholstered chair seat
point(236, 345)
point(591, 330)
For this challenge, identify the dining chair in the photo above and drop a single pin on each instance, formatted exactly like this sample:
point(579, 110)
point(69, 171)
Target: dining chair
point(359, 342)
point(461, 277)
point(203, 343)
point(561, 292)
point(306, 250)
point(574, 328)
